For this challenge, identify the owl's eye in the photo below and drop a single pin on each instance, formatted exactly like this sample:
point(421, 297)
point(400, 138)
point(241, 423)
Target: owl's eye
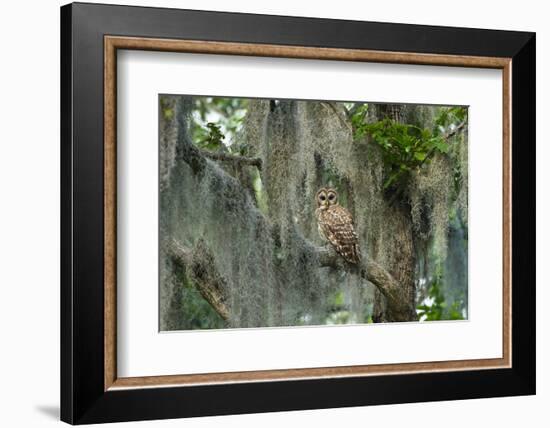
point(322, 197)
point(330, 197)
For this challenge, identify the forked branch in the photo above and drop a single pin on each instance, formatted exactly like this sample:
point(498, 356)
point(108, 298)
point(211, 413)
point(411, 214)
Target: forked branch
point(235, 159)
point(199, 265)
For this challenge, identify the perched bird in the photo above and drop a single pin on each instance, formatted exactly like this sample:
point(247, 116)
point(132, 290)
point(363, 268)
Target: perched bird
point(335, 225)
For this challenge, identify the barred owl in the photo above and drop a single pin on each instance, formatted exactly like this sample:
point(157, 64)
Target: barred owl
point(335, 225)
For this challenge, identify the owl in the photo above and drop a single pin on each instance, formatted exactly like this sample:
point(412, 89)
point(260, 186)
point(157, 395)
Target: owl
point(335, 225)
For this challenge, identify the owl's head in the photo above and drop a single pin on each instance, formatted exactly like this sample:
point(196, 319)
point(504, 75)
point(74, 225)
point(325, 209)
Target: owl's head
point(326, 196)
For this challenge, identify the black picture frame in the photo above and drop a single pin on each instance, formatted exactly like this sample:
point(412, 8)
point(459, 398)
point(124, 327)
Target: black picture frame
point(83, 398)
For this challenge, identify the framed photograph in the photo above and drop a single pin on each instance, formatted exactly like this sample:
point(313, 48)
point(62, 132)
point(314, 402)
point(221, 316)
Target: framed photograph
point(265, 213)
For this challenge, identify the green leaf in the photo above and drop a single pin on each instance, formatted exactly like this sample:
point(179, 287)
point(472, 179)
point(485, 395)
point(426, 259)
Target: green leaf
point(441, 145)
point(421, 156)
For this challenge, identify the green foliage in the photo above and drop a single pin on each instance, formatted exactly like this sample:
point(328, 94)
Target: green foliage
point(358, 115)
point(435, 308)
point(210, 138)
point(216, 121)
point(406, 147)
point(447, 117)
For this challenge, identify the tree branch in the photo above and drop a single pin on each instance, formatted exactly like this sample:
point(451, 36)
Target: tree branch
point(228, 157)
point(455, 131)
point(446, 136)
point(374, 273)
point(338, 114)
point(200, 266)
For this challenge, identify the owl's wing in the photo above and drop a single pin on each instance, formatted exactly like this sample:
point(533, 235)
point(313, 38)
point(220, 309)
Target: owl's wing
point(337, 225)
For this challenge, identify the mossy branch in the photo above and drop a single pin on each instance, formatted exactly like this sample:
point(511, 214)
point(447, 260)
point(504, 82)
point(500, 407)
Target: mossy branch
point(199, 265)
point(235, 159)
point(375, 274)
point(343, 120)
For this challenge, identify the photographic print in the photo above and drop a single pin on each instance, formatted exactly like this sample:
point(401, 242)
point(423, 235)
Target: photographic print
point(279, 213)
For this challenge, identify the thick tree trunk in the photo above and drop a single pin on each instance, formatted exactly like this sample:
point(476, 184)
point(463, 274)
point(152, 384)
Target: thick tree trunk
point(402, 261)
point(401, 265)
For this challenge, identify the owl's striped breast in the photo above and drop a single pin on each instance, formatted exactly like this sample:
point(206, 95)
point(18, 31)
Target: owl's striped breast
point(335, 225)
